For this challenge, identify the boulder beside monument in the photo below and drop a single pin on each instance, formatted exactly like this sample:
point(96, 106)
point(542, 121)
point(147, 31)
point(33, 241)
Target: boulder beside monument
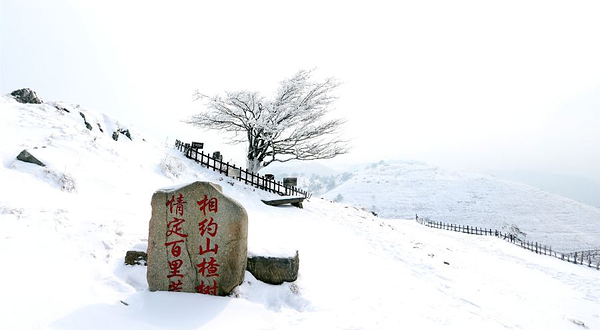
point(274, 270)
point(197, 240)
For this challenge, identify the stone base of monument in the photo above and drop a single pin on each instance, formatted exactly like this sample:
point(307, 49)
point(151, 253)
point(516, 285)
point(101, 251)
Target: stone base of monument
point(266, 269)
point(274, 270)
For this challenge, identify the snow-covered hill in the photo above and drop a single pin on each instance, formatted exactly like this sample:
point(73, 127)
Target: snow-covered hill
point(65, 228)
point(401, 190)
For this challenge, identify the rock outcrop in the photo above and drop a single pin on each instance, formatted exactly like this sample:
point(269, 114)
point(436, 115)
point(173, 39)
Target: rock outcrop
point(26, 95)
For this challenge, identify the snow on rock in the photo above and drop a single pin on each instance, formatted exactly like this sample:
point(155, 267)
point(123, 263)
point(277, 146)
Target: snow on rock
point(63, 251)
point(26, 95)
point(401, 190)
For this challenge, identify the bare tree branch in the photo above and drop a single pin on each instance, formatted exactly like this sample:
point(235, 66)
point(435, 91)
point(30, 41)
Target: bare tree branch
point(293, 126)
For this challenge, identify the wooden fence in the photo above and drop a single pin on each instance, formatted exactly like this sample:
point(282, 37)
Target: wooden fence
point(238, 173)
point(589, 258)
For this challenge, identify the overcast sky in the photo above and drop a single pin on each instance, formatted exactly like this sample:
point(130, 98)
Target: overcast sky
point(475, 85)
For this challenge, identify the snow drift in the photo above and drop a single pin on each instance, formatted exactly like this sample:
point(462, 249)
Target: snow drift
point(65, 228)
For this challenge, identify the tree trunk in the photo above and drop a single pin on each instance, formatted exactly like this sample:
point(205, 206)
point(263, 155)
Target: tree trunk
point(253, 165)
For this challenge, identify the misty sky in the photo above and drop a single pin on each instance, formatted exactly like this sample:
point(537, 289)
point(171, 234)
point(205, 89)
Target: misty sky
point(474, 85)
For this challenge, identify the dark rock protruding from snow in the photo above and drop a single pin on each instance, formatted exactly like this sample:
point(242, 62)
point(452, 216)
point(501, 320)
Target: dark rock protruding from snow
point(61, 108)
point(115, 134)
point(87, 125)
point(274, 270)
point(26, 95)
point(125, 132)
point(25, 156)
point(136, 258)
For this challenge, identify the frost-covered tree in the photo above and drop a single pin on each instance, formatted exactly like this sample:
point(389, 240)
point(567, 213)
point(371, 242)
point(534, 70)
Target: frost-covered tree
point(291, 125)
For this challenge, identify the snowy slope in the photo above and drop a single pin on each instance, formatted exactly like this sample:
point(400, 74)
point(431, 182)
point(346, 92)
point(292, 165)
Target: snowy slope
point(64, 231)
point(401, 190)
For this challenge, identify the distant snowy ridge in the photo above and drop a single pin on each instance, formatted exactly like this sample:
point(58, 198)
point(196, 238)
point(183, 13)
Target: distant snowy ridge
point(401, 190)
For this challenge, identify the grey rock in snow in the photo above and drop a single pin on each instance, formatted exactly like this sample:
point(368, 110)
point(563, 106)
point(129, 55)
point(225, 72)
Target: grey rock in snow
point(125, 132)
point(136, 258)
point(274, 270)
point(87, 125)
point(26, 95)
point(25, 156)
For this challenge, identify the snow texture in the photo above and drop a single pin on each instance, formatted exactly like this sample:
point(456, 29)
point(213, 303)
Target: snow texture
point(402, 190)
point(63, 250)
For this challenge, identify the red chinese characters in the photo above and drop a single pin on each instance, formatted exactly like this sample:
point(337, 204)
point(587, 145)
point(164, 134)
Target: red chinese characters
point(208, 268)
point(208, 229)
point(212, 205)
point(174, 235)
point(178, 204)
point(207, 288)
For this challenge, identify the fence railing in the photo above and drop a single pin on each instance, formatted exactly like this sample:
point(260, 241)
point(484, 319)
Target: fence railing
point(589, 258)
point(238, 173)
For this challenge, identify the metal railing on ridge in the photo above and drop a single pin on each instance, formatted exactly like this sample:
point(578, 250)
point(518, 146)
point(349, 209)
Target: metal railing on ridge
point(581, 257)
point(238, 173)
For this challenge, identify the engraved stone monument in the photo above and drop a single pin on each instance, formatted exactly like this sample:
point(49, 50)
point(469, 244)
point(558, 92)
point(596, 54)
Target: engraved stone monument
point(197, 240)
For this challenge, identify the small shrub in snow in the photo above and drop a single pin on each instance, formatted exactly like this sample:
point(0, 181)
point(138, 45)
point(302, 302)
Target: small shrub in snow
point(514, 230)
point(172, 167)
point(9, 210)
point(339, 198)
point(64, 181)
